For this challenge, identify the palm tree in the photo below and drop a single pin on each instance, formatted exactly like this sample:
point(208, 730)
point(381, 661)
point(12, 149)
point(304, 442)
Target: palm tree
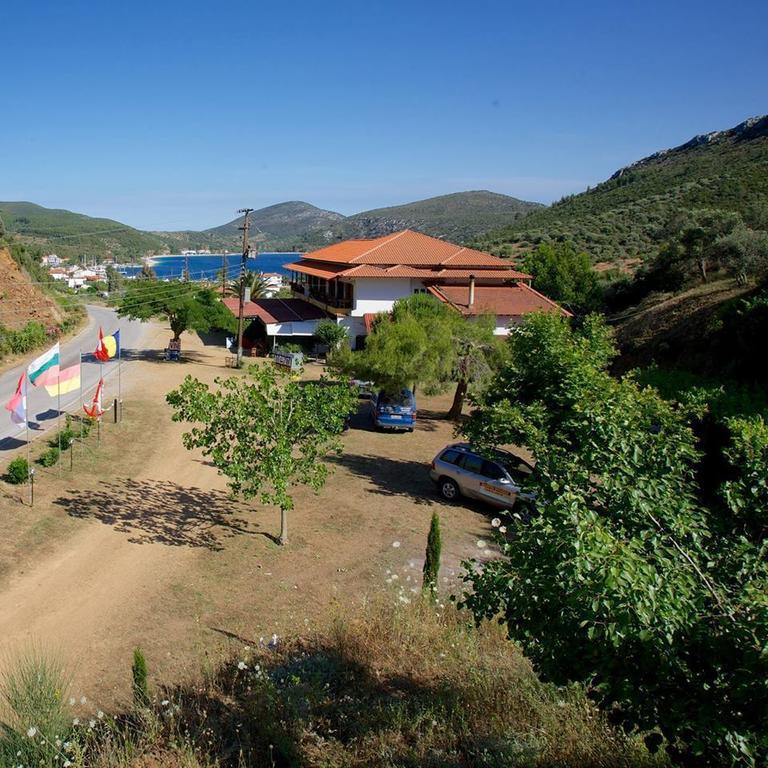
point(255, 281)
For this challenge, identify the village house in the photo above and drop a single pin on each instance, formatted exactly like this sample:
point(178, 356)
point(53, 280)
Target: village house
point(354, 280)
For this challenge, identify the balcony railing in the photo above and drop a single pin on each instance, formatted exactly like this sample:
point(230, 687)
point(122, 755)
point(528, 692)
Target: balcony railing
point(321, 296)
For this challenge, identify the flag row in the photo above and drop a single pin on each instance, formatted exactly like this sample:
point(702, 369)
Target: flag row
point(46, 371)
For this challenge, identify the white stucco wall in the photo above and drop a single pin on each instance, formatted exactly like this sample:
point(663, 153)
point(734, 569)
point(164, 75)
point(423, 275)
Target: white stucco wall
point(306, 328)
point(378, 295)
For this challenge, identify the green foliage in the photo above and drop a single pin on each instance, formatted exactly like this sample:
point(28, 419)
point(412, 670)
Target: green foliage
point(330, 333)
point(28, 338)
point(620, 581)
point(747, 493)
point(424, 343)
point(625, 216)
point(18, 471)
point(184, 305)
point(265, 432)
point(565, 275)
point(431, 568)
point(33, 723)
point(49, 457)
point(140, 686)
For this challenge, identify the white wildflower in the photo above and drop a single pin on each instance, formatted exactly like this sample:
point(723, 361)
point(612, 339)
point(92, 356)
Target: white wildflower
point(76, 721)
point(481, 544)
point(164, 703)
point(486, 552)
point(395, 544)
point(242, 665)
point(71, 701)
point(503, 529)
point(31, 732)
point(495, 522)
point(91, 724)
point(100, 715)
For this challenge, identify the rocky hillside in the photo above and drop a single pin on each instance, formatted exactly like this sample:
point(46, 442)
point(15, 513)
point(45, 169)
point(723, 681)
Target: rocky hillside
point(21, 300)
point(624, 218)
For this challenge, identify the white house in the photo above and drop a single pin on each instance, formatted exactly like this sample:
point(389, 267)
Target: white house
point(354, 280)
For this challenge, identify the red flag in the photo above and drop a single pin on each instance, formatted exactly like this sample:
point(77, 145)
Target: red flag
point(95, 410)
point(101, 353)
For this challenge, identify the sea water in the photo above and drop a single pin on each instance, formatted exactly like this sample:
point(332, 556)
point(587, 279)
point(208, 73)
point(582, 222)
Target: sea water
point(208, 266)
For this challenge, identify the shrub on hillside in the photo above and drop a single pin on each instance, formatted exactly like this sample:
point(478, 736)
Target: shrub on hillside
point(49, 458)
point(18, 471)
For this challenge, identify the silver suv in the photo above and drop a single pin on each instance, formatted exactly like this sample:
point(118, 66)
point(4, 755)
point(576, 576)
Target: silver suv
point(459, 470)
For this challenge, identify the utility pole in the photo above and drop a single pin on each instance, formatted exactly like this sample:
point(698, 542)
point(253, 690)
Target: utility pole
point(243, 265)
point(224, 273)
point(186, 267)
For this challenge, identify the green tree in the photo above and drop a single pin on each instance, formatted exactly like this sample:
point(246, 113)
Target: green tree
point(115, 280)
point(140, 685)
point(619, 581)
point(265, 432)
point(331, 334)
point(431, 568)
point(182, 304)
point(743, 252)
point(424, 343)
point(257, 284)
point(565, 275)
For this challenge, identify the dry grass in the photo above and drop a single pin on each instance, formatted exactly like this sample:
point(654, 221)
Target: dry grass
point(406, 686)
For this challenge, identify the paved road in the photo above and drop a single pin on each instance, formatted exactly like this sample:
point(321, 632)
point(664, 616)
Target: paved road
point(41, 407)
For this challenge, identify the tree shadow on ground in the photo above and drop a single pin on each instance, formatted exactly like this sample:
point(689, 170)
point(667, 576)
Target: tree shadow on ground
point(316, 700)
point(391, 477)
point(163, 512)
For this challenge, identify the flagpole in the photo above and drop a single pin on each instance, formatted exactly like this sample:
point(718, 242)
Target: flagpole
point(58, 415)
point(26, 422)
point(119, 382)
point(82, 421)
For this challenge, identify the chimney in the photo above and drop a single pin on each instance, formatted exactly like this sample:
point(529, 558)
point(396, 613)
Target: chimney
point(247, 295)
point(471, 291)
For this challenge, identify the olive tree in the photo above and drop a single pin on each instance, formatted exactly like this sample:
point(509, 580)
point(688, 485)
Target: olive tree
point(266, 432)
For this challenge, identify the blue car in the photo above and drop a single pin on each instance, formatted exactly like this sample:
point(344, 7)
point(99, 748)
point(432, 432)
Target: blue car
point(394, 411)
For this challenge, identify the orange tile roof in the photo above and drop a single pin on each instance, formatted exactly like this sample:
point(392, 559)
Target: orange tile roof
point(326, 271)
point(406, 248)
point(506, 300)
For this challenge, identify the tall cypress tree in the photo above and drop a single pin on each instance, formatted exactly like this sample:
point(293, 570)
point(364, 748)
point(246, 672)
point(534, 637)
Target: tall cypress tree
point(432, 558)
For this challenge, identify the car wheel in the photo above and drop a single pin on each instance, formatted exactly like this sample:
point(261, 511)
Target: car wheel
point(448, 489)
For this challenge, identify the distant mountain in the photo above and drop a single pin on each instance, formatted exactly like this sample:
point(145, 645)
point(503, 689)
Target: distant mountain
point(73, 234)
point(292, 225)
point(293, 221)
point(624, 218)
point(460, 216)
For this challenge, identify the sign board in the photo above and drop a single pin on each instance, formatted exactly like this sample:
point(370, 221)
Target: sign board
point(290, 360)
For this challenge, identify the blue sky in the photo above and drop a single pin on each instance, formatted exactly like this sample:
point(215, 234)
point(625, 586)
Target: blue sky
point(170, 115)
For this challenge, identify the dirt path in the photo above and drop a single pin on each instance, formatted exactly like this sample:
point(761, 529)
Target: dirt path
point(150, 551)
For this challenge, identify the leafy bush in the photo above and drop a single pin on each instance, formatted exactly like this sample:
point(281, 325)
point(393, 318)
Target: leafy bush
point(625, 579)
point(49, 458)
point(31, 336)
point(431, 568)
point(330, 333)
point(18, 471)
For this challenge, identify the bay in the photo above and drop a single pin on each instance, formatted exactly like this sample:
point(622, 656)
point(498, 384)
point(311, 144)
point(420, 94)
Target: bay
point(208, 266)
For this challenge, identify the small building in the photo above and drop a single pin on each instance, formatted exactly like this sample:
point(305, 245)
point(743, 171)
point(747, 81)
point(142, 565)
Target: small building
point(269, 319)
point(52, 260)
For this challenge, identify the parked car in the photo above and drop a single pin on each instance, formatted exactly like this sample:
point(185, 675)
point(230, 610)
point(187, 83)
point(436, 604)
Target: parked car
point(498, 479)
point(394, 411)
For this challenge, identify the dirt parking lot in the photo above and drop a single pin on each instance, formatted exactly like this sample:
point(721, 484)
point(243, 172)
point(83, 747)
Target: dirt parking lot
point(141, 545)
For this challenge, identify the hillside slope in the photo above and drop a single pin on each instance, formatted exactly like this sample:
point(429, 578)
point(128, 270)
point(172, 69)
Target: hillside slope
point(74, 234)
point(460, 216)
point(623, 217)
point(21, 300)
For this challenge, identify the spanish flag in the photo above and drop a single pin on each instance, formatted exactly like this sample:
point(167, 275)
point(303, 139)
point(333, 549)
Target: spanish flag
point(109, 346)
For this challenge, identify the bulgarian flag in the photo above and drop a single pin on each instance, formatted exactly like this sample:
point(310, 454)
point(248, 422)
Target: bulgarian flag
point(17, 405)
point(45, 369)
point(94, 410)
